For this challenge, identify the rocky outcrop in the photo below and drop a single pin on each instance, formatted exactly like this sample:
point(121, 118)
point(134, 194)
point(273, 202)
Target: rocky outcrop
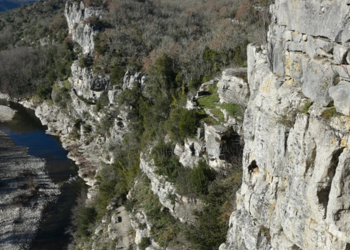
point(6, 113)
point(232, 89)
point(25, 192)
point(180, 206)
point(82, 24)
point(114, 227)
point(294, 194)
point(86, 84)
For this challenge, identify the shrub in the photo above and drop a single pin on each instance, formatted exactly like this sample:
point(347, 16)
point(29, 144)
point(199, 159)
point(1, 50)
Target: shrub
point(305, 108)
point(201, 176)
point(329, 113)
point(117, 75)
point(164, 159)
point(86, 218)
point(103, 101)
point(182, 123)
point(145, 242)
point(84, 62)
point(188, 123)
point(61, 96)
point(44, 91)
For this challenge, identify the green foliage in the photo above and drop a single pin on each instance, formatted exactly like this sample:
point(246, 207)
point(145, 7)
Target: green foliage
point(61, 96)
point(211, 226)
point(211, 102)
point(182, 123)
point(84, 62)
point(162, 75)
point(145, 242)
point(86, 218)
point(166, 230)
point(327, 114)
point(102, 101)
point(305, 108)
point(201, 176)
point(106, 123)
point(117, 75)
point(165, 161)
point(100, 46)
point(233, 109)
point(44, 91)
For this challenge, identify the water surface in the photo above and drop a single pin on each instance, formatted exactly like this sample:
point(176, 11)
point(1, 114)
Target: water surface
point(26, 130)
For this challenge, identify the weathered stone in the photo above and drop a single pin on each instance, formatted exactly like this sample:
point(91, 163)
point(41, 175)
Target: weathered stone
point(339, 53)
point(341, 96)
point(181, 207)
point(312, 16)
point(6, 113)
point(293, 194)
point(99, 83)
point(82, 30)
point(232, 89)
point(318, 77)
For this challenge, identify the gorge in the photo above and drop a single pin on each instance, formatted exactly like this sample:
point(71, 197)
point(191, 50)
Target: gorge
point(248, 158)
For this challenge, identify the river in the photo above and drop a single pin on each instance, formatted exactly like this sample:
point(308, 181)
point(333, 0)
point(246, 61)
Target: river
point(26, 130)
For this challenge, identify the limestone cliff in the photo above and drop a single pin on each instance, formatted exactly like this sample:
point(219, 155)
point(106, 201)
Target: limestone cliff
point(295, 193)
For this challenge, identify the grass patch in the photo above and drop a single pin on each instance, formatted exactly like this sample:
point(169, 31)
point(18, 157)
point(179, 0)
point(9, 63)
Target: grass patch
point(67, 85)
point(305, 108)
point(211, 102)
point(329, 113)
point(233, 109)
point(218, 114)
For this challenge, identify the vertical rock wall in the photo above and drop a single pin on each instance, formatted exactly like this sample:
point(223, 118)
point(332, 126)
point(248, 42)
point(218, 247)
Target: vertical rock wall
point(295, 190)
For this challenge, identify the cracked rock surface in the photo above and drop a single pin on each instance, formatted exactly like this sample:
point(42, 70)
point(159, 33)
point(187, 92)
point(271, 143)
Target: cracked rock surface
point(296, 160)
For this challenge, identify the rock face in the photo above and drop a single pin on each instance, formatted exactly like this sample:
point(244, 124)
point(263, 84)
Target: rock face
point(181, 207)
point(295, 193)
point(86, 84)
point(25, 191)
point(81, 23)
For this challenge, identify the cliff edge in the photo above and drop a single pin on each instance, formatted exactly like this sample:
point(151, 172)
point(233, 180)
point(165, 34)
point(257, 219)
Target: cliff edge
point(295, 192)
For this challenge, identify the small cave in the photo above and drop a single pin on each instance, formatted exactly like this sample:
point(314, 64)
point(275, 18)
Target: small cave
point(323, 192)
point(253, 168)
point(119, 219)
point(231, 147)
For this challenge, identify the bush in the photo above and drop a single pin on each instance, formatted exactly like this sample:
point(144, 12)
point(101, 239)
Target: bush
point(86, 218)
point(165, 161)
point(44, 91)
point(103, 101)
point(61, 96)
point(145, 242)
point(181, 124)
point(201, 176)
point(117, 75)
point(84, 62)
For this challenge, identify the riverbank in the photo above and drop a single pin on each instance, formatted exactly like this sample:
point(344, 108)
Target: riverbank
point(25, 191)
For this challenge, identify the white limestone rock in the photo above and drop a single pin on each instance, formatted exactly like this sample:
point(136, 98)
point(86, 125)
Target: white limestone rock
point(232, 89)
